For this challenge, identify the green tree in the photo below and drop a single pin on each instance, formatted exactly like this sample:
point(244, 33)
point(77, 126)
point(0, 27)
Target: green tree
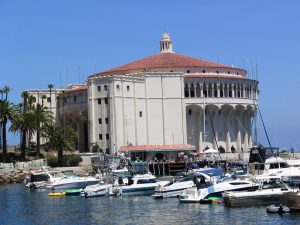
point(8, 112)
point(50, 86)
point(3, 91)
point(24, 123)
point(43, 119)
point(6, 90)
point(60, 139)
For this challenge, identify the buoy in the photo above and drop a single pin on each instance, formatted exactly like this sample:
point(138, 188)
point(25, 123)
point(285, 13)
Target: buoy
point(54, 194)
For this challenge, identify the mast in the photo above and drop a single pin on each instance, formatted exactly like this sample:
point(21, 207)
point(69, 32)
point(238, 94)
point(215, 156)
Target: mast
point(203, 124)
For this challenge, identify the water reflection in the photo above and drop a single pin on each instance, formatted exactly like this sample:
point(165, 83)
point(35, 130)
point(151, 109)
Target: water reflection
point(21, 206)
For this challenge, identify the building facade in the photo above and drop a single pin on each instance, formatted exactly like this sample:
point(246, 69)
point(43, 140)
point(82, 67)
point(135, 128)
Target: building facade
point(169, 98)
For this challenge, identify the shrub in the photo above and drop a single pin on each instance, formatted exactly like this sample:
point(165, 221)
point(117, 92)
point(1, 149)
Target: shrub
point(96, 148)
point(52, 160)
point(71, 160)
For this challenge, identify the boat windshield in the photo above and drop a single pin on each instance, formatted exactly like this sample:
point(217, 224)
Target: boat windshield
point(273, 184)
point(39, 177)
point(146, 181)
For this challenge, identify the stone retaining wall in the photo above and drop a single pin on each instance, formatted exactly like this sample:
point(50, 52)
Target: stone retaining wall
point(14, 176)
point(18, 175)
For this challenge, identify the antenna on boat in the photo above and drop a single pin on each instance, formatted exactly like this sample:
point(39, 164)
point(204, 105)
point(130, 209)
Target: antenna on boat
point(264, 127)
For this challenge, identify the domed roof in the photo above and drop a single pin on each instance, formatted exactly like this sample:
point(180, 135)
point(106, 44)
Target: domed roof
point(165, 60)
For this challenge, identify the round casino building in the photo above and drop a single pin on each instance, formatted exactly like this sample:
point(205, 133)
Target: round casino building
point(171, 99)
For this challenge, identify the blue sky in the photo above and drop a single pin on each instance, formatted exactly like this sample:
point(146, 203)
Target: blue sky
point(64, 41)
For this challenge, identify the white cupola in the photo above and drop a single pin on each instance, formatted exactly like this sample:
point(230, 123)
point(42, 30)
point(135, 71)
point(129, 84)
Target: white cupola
point(165, 43)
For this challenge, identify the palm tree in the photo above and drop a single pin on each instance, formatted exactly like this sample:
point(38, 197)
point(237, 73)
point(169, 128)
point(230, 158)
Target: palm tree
point(24, 123)
point(50, 86)
point(43, 97)
point(8, 111)
point(43, 118)
point(5, 90)
point(60, 139)
point(1, 92)
point(31, 99)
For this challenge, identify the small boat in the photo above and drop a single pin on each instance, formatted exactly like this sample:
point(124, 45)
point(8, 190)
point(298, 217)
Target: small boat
point(73, 192)
point(270, 188)
point(277, 209)
point(57, 194)
point(96, 190)
point(139, 184)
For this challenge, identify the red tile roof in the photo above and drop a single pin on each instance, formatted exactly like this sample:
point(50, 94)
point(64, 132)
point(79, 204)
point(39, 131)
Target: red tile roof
point(158, 148)
point(163, 60)
point(76, 87)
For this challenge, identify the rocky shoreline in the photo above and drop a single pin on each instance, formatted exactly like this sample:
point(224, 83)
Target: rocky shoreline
point(18, 175)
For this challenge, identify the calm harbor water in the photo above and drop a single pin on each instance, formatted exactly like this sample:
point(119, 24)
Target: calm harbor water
point(19, 205)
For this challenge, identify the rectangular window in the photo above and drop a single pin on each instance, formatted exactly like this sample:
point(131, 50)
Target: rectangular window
point(106, 120)
point(107, 151)
point(141, 114)
point(99, 101)
point(100, 136)
point(100, 120)
point(128, 88)
point(107, 136)
point(99, 88)
point(118, 87)
point(48, 99)
point(75, 98)
point(106, 101)
point(105, 87)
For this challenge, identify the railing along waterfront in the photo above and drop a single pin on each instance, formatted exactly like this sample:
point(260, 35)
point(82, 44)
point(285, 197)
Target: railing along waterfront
point(34, 164)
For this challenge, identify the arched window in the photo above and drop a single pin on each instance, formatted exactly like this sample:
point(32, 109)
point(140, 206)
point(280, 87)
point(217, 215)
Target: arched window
point(210, 90)
point(221, 91)
point(186, 91)
point(205, 92)
point(192, 90)
point(215, 90)
point(198, 90)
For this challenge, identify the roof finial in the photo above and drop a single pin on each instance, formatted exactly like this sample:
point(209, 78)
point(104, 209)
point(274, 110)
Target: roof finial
point(165, 43)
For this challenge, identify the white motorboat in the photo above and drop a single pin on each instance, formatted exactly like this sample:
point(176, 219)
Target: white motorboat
point(42, 179)
point(57, 180)
point(96, 190)
point(73, 182)
point(140, 184)
point(208, 187)
point(175, 188)
point(269, 191)
point(288, 169)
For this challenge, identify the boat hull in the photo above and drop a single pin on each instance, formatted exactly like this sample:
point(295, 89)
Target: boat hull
point(138, 191)
point(168, 193)
point(252, 200)
point(74, 185)
point(291, 200)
